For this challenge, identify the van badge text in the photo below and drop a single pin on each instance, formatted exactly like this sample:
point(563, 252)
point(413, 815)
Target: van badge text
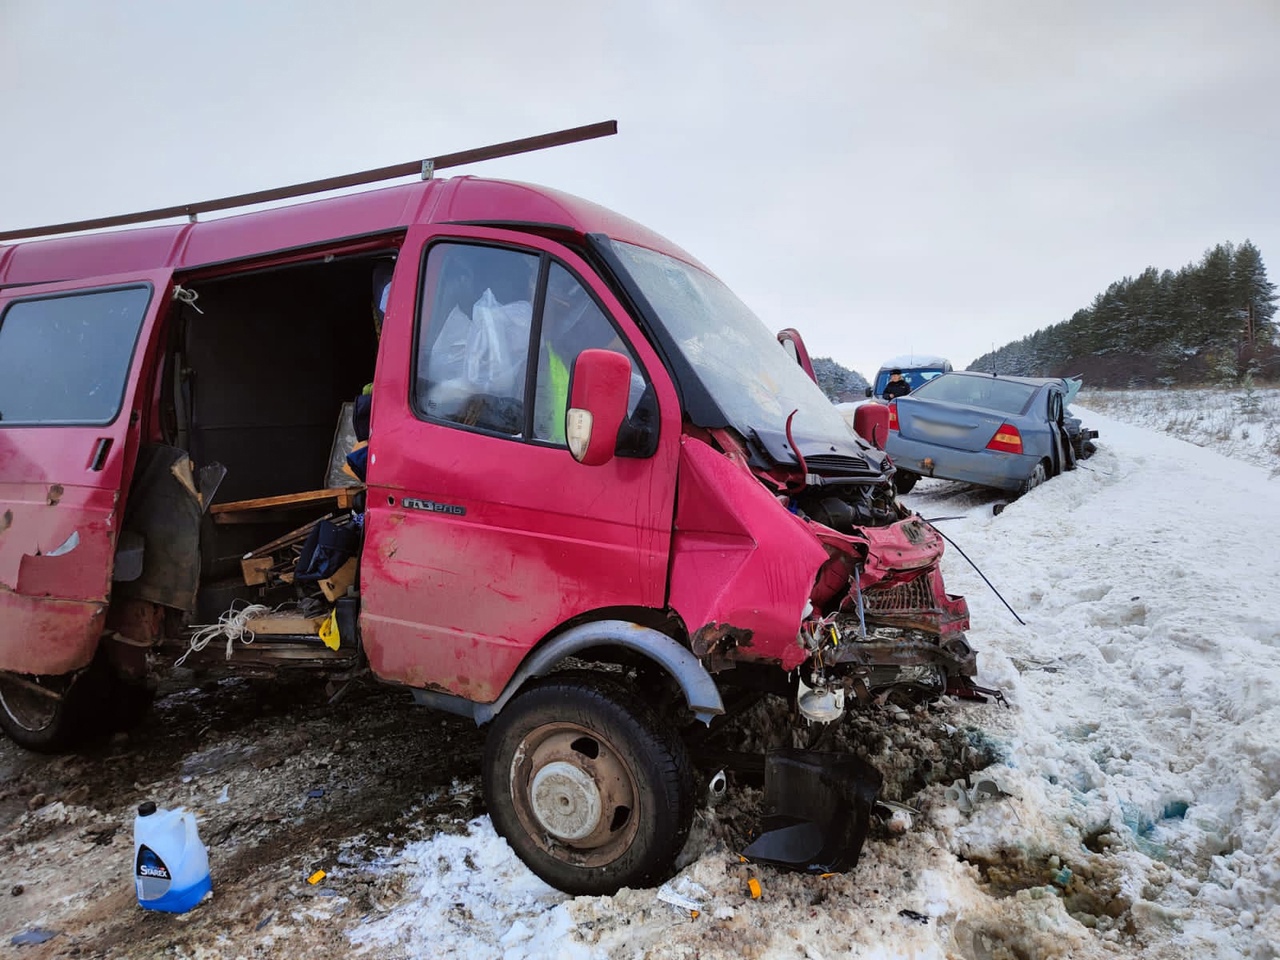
point(430, 506)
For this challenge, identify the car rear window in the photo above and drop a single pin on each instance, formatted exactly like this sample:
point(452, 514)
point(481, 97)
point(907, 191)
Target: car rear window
point(64, 359)
point(915, 377)
point(989, 393)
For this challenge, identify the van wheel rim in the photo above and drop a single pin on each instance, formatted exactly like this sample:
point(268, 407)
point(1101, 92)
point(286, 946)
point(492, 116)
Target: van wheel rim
point(29, 710)
point(574, 794)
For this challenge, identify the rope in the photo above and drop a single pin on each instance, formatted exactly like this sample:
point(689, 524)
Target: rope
point(187, 296)
point(233, 625)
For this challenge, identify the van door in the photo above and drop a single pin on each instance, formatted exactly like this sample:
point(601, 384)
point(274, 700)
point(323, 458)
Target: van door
point(72, 356)
point(482, 533)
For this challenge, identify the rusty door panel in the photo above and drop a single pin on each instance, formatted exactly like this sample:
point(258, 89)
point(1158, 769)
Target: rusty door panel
point(43, 635)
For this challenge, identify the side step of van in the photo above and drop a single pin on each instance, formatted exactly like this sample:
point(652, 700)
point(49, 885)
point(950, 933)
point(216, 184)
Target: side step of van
point(265, 656)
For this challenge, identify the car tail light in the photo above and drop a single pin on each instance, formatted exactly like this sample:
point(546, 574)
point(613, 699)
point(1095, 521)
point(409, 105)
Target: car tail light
point(893, 416)
point(1007, 439)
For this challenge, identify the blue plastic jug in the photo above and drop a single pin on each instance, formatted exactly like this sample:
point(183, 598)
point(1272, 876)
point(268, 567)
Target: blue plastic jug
point(170, 864)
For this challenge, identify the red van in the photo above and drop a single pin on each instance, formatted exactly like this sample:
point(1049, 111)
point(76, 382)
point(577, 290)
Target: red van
point(596, 495)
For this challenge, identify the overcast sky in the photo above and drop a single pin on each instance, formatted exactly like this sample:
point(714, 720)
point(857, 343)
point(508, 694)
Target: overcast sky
point(928, 176)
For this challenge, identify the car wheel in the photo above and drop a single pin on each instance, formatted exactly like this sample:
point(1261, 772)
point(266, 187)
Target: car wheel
point(904, 480)
point(591, 789)
point(1038, 476)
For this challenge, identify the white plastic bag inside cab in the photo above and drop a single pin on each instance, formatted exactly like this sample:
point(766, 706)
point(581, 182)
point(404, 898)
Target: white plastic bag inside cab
point(498, 345)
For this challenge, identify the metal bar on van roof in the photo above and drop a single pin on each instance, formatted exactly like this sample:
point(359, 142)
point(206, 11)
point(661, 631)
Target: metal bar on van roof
point(559, 138)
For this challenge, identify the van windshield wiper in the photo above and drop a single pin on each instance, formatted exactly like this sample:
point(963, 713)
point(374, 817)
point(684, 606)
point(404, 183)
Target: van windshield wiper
point(837, 469)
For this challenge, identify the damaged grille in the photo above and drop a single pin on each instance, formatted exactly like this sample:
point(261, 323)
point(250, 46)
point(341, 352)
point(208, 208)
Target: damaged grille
point(840, 465)
point(910, 597)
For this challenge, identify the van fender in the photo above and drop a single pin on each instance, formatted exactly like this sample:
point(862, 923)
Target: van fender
point(700, 691)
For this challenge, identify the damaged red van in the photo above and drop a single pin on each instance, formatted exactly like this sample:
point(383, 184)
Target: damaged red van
point(596, 495)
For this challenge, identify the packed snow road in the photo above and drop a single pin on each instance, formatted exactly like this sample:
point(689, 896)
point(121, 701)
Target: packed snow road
point(1127, 801)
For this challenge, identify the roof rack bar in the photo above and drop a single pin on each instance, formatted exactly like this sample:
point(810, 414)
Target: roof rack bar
point(412, 168)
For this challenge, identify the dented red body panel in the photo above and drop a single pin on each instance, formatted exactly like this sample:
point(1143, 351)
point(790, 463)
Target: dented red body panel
point(739, 558)
point(46, 636)
point(56, 555)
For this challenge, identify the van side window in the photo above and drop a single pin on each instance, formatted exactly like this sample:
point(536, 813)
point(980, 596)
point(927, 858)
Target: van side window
point(572, 322)
point(481, 307)
point(477, 310)
point(65, 359)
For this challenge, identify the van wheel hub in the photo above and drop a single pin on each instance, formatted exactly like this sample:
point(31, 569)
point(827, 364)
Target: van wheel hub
point(573, 789)
point(565, 800)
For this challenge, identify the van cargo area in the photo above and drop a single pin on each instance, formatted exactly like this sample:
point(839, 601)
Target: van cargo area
point(260, 369)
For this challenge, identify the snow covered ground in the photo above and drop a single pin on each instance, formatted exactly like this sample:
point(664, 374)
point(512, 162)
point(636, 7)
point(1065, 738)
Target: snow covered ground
point(1132, 808)
point(1138, 811)
point(1242, 422)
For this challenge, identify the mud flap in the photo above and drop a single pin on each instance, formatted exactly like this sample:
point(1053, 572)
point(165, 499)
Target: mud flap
point(818, 810)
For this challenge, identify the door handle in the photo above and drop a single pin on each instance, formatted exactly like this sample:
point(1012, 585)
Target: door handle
point(99, 459)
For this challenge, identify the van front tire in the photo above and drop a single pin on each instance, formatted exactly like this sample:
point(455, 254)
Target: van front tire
point(592, 790)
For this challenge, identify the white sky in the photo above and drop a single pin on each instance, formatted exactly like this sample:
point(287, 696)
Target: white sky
point(939, 176)
point(1144, 708)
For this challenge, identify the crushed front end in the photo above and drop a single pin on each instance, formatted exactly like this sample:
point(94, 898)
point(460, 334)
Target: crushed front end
point(883, 625)
point(823, 574)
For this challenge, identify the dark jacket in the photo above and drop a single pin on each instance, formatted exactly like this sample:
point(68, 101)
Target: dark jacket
point(895, 389)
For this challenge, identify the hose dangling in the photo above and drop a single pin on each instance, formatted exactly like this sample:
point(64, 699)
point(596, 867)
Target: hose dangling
point(975, 567)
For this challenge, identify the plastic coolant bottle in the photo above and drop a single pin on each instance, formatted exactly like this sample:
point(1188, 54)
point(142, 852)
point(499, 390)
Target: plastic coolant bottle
point(170, 864)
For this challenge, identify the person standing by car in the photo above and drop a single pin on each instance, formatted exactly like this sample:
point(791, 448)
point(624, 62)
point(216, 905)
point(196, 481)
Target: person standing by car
point(896, 387)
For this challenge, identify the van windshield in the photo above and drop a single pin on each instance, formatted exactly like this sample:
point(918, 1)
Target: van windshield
point(739, 362)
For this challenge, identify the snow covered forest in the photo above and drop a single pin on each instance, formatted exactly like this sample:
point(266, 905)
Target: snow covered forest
point(1211, 321)
point(840, 384)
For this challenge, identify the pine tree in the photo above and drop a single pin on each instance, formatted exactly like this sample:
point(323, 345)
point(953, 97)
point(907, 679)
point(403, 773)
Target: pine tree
point(1254, 295)
point(838, 382)
point(1221, 317)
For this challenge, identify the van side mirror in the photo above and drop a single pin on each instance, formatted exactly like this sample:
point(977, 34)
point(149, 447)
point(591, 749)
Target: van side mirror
point(793, 343)
point(868, 391)
point(597, 405)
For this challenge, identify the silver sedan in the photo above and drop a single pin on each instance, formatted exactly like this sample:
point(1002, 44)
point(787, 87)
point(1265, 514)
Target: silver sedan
point(1011, 433)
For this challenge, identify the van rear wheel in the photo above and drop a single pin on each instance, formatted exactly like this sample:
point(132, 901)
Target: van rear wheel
point(51, 714)
point(40, 712)
point(592, 790)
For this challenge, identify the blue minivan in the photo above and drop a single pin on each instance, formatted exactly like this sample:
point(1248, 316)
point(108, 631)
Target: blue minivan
point(916, 369)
